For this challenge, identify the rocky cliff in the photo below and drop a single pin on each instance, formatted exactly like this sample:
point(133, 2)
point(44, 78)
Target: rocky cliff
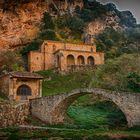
point(21, 27)
point(119, 21)
point(19, 24)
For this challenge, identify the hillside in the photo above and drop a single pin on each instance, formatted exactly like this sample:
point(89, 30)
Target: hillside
point(21, 23)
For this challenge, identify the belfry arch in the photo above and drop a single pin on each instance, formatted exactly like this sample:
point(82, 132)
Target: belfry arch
point(70, 60)
point(80, 60)
point(90, 60)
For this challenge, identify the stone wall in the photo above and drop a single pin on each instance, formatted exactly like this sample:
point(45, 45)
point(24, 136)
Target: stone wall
point(13, 114)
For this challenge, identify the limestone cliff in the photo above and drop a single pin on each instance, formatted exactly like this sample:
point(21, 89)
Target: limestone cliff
point(113, 18)
point(19, 28)
point(21, 23)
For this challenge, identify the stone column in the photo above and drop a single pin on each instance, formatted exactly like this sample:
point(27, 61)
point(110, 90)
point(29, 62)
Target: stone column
point(14, 88)
point(63, 63)
point(40, 88)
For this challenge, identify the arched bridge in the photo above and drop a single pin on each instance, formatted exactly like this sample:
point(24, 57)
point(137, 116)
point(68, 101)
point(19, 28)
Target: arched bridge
point(52, 109)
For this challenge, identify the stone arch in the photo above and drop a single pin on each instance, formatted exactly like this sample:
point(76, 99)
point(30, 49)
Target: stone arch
point(24, 91)
point(52, 109)
point(80, 60)
point(59, 113)
point(70, 60)
point(90, 60)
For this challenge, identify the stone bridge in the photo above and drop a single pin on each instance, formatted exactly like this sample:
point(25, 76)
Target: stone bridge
point(52, 109)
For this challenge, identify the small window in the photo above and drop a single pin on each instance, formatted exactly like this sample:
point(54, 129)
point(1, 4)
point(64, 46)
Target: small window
point(24, 90)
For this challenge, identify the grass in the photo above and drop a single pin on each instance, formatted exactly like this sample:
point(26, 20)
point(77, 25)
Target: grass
point(54, 83)
point(99, 115)
point(102, 134)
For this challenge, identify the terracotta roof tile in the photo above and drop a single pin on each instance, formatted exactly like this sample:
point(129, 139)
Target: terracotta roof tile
point(25, 75)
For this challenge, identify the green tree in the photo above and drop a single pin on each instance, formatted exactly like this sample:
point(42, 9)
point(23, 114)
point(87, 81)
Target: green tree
point(119, 73)
point(10, 61)
point(134, 81)
point(48, 21)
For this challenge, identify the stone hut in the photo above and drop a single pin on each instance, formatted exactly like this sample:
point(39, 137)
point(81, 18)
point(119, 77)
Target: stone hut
point(20, 86)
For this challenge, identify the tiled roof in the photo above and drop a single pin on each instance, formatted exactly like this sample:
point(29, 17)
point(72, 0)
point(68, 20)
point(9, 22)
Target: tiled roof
point(19, 74)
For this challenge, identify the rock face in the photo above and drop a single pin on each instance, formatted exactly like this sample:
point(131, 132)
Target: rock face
point(21, 27)
point(112, 19)
point(99, 25)
point(21, 22)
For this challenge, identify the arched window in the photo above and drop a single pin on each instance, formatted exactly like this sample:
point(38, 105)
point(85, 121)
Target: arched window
point(70, 60)
point(90, 60)
point(81, 60)
point(24, 90)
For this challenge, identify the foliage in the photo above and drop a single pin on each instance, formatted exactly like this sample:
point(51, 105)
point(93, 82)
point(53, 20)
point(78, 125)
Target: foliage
point(10, 61)
point(47, 21)
point(134, 81)
point(48, 35)
point(34, 45)
point(75, 24)
point(115, 73)
point(115, 43)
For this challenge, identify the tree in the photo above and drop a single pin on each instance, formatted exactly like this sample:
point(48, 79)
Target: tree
point(48, 22)
point(122, 73)
point(10, 61)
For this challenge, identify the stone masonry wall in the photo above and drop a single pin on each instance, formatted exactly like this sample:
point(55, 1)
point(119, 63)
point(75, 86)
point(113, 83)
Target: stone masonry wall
point(13, 115)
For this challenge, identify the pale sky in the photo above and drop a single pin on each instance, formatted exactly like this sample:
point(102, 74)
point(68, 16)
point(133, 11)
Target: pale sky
point(131, 5)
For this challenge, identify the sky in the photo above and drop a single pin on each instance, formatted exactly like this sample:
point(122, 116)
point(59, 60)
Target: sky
point(131, 5)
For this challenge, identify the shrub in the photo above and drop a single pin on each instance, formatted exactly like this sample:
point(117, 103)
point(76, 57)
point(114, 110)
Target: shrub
point(48, 22)
point(10, 61)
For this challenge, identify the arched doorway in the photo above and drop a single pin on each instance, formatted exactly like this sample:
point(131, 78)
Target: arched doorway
point(80, 60)
point(70, 60)
point(90, 60)
point(24, 91)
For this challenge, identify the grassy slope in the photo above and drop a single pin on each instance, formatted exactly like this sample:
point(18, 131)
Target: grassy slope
point(56, 83)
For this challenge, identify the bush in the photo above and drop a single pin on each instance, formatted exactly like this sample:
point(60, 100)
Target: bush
point(48, 35)
point(34, 45)
point(10, 61)
point(134, 81)
point(119, 74)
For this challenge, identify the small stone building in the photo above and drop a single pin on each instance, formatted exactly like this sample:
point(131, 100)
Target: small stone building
point(21, 85)
point(64, 56)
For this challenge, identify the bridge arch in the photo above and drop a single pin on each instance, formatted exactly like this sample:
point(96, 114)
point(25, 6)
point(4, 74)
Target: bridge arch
point(60, 111)
point(52, 109)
